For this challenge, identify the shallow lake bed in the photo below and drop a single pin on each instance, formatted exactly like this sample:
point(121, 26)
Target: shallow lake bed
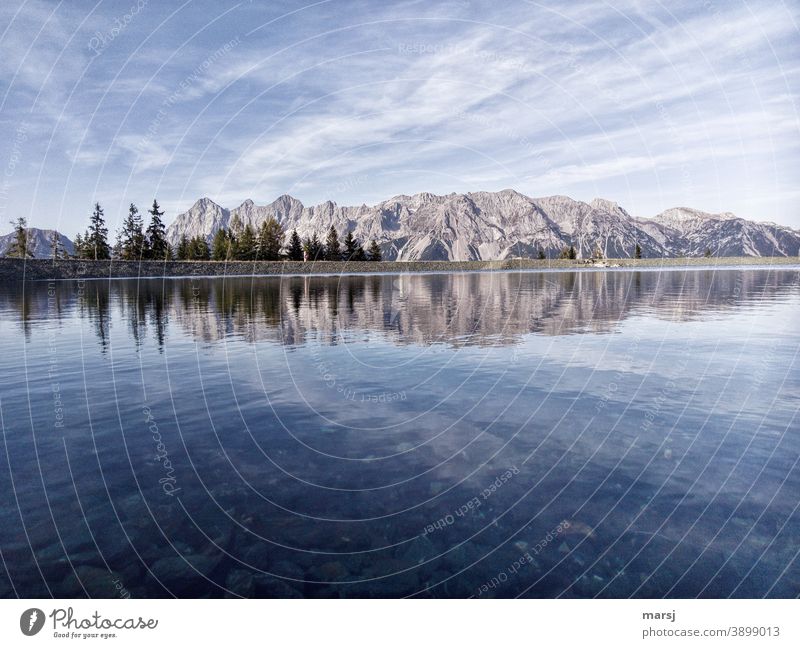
point(499, 434)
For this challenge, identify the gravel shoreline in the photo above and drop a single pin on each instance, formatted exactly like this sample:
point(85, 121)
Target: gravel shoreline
point(47, 269)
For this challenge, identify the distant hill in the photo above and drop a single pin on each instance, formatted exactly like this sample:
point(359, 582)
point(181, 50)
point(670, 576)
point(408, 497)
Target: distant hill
point(41, 243)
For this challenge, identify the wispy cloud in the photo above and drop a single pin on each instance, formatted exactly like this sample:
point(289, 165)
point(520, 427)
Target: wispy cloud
point(652, 105)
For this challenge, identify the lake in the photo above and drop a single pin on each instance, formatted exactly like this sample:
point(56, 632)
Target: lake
point(531, 434)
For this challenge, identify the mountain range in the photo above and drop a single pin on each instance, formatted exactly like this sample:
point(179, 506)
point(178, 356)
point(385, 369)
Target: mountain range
point(496, 225)
point(489, 225)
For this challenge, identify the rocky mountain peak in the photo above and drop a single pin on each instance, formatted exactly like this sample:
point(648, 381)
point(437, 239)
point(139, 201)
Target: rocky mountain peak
point(204, 203)
point(609, 206)
point(496, 225)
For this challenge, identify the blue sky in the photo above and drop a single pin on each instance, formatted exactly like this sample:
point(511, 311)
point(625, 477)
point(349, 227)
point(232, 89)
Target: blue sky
point(649, 104)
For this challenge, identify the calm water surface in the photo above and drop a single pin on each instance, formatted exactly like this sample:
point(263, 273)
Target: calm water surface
point(583, 434)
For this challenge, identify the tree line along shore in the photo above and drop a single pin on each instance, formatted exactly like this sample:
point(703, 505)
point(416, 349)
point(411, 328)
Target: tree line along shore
point(141, 251)
point(240, 242)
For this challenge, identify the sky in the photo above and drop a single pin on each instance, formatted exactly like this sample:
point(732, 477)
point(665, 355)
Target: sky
point(651, 104)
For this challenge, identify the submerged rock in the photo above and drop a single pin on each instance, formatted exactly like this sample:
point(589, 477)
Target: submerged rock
point(573, 527)
point(418, 551)
point(288, 570)
point(6, 591)
point(269, 587)
point(95, 581)
point(332, 571)
point(185, 575)
point(241, 583)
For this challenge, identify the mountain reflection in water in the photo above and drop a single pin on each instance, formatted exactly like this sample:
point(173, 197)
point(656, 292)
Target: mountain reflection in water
point(458, 309)
point(493, 434)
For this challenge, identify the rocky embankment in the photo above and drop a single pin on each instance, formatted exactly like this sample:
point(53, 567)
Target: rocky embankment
point(43, 269)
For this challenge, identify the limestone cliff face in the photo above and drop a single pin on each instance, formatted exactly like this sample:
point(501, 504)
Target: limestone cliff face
point(497, 225)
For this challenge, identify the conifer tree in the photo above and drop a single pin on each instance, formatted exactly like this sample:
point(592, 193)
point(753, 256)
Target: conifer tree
point(313, 248)
point(77, 245)
point(317, 247)
point(246, 244)
point(359, 255)
point(221, 246)
point(157, 246)
point(198, 249)
point(541, 255)
point(57, 250)
point(131, 236)
point(21, 245)
point(333, 251)
point(571, 254)
point(375, 252)
point(350, 245)
point(295, 247)
point(637, 252)
point(270, 240)
point(116, 249)
point(182, 251)
point(95, 244)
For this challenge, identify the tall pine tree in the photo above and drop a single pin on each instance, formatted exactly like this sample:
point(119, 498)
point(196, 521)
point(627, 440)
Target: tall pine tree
point(198, 249)
point(246, 244)
point(375, 252)
point(222, 246)
point(350, 246)
point(360, 255)
point(77, 246)
point(313, 248)
point(21, 245)
point(131, 236)
point(57, 250)
point(295, 247)
point(96, 242)
point(270, 240)
point(157, 246)
point(333, 251)
point(182, 251)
